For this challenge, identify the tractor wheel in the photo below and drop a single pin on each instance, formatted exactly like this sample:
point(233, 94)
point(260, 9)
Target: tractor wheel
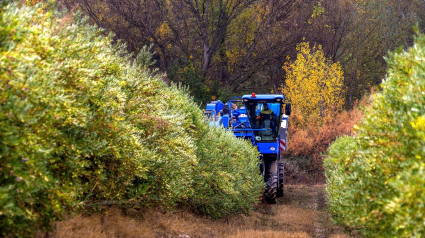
point(271, 188)
point(280, 173)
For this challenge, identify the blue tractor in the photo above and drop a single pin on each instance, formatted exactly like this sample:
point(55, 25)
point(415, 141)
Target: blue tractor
point(263, 120)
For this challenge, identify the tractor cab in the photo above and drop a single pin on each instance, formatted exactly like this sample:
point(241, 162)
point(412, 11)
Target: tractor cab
point(265, 115)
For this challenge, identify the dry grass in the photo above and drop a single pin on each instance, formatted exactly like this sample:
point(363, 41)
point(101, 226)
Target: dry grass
point(301, 213)
point(269, 234)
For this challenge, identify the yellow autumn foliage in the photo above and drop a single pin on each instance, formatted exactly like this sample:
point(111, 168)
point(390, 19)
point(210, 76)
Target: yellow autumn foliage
point(314, 84)
point(163, 31)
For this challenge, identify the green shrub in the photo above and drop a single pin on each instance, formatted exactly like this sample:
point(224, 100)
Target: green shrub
point(82, 123)
point(376, 181)
point(191, 76)
point(227, 180)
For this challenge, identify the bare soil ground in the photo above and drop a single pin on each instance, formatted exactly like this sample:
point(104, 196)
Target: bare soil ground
point(300, 213)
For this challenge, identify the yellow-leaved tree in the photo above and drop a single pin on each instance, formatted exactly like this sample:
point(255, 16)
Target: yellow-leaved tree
point(314, 85)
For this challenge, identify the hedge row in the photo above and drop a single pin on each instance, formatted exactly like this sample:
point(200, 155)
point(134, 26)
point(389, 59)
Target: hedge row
point(376, 180)
point(82, 122)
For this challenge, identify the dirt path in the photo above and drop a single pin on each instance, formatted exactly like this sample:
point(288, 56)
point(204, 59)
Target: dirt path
point(300, 213)
point(310, 203)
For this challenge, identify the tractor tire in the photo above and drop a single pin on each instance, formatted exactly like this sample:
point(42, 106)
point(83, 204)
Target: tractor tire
point(280, 173)
point(271, 189)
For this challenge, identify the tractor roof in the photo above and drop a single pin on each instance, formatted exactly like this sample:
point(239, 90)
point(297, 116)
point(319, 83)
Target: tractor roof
point(263, 97)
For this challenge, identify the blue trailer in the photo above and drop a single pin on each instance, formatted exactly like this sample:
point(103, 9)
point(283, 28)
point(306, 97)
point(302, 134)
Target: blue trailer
point(263, 120)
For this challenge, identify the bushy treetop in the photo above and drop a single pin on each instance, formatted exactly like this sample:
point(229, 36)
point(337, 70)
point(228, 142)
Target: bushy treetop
point(83, 123)
point(376, 180)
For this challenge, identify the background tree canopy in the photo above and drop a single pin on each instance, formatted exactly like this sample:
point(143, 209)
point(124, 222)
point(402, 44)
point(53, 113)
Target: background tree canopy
point(229, 47)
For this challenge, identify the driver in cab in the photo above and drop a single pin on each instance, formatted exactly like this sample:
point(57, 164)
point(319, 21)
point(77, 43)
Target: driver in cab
point(267, 114)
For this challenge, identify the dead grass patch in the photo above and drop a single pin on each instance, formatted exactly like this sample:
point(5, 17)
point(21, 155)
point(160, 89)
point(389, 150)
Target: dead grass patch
point(301, 213)
point(269, 234)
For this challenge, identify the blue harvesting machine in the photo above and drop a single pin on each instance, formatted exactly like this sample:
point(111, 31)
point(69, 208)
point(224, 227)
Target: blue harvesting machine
point(263, 120)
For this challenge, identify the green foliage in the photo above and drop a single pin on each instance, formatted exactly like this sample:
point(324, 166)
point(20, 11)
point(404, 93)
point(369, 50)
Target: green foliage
point(201, 89)
point(227, 181)
point(376, 180)
point(81, 122)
